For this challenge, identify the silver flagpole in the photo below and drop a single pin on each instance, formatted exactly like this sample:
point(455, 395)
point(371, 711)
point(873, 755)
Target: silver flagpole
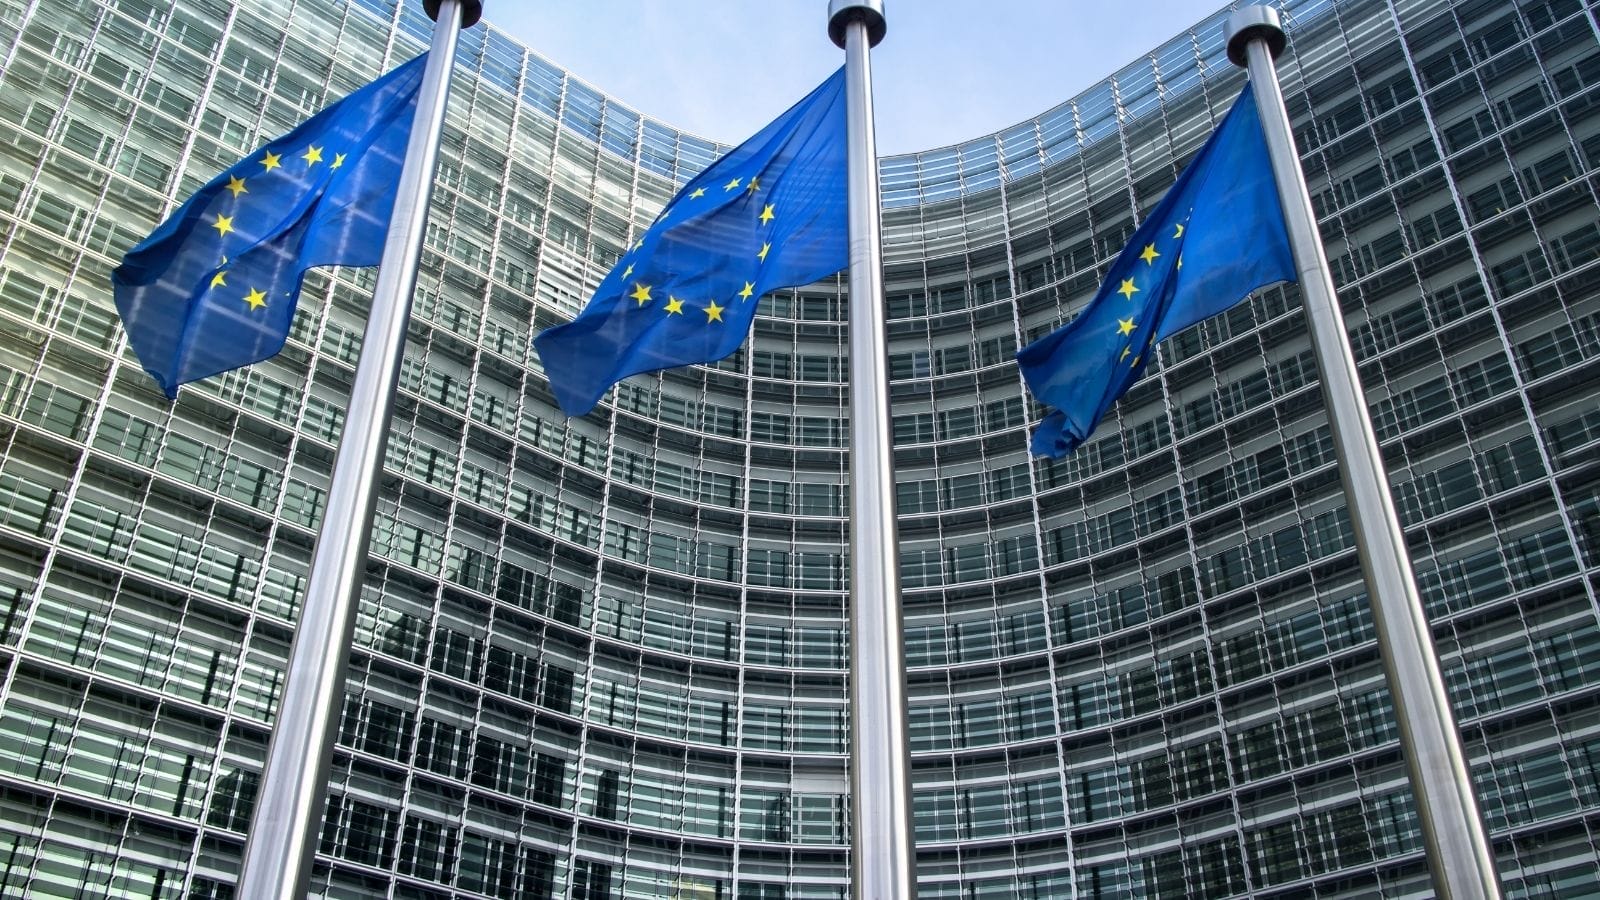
point(1459, 854)
point(882, 854)
point(294, 783)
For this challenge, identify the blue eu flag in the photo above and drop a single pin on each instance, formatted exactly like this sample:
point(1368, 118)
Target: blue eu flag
point(1216, 236)
point(213, 288)
point(769, 214)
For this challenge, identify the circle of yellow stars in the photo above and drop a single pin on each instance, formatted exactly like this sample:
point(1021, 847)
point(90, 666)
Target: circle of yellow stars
point(255, 298)
point(1127, 289)
point(641, 292)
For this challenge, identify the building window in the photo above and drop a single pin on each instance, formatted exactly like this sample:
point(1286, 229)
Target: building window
point(358, 831)
point(430, 849)
point(442, 748)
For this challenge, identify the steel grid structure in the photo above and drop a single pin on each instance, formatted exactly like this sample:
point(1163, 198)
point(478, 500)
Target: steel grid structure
point(606, 657)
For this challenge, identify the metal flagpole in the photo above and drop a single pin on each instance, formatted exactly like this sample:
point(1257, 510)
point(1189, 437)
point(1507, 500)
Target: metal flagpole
point(294, 783)
point(882, 854)
point(1459, 854)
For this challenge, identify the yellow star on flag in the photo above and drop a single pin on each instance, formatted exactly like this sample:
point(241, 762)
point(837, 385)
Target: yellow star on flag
point(731, 185)
point(223, 224)
point(767, 215)
point(763, 254)
point(639, 244)
point(1127, 290)
point(236, 184)
point(1179, 232)
point(748, 290)
point(256, 299)
point(674, 305)
point(1125, 352)
point(271, 161)
point(755, 185)
point(338, 160)
point(312, 156)
point(218, 280)
point(1125, 326)
point(1149, 255)
point(641, 292)
point(713, 313)
point(698, 193)
point(628, 271)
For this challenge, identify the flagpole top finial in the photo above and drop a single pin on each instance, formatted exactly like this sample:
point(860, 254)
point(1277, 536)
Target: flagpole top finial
point(471, 11)
point(1250, 22)
point(870, 12)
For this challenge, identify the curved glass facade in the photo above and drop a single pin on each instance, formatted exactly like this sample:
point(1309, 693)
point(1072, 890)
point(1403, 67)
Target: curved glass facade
point(605, 657)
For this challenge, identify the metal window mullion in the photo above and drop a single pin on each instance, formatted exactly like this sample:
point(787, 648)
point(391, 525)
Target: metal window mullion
point(1494, 306)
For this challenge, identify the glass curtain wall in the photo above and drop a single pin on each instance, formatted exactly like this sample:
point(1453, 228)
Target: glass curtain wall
point(605, 657)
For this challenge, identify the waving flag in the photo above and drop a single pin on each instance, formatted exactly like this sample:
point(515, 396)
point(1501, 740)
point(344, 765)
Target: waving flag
point(1216, 236)
point(769, 214)
point(214, 287)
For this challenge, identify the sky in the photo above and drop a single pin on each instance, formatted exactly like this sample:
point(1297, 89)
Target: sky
point(947, 71)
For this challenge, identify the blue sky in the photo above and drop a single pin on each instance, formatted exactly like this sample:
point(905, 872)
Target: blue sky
point(947, 71)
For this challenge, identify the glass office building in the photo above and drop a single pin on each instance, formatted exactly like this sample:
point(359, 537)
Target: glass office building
point(605, 657)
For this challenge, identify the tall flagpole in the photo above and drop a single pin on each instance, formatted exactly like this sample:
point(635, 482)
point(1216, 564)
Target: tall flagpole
point(882, 853)
point(294, 783)
point(1459, 854)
